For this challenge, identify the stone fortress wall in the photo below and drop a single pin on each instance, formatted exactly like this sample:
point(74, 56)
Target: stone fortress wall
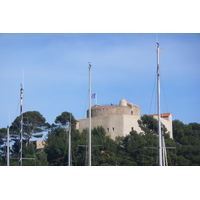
point(119, 120)
point(124, 108)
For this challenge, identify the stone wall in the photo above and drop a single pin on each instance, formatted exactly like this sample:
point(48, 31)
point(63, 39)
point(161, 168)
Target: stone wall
point(166, 119)
point(124, 108)
point(114, 125)
point(119, 120)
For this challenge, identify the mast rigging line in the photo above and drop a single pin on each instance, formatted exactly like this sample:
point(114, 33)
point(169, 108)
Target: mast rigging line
point(163, 89)
point(152, 94)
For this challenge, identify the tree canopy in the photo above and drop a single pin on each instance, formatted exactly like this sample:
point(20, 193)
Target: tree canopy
point(65, 119)
point(33, 123)
point(149, 124)
point(134, 149)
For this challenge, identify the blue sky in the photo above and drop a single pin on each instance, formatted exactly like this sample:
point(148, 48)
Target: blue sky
point(124, 65)
point(55, 68)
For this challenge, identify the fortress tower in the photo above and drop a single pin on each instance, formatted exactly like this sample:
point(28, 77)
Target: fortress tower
point(119, 120)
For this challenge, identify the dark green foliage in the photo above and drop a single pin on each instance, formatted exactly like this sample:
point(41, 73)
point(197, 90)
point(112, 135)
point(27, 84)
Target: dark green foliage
point(134, 149)
point(56, 146)
point(143, 148)
point(148, 124)
point(33, 123)
point(108, 148)
point(30, 156)
point(41, 158)
point(187, 138)
point(3, 132)
point(64, 120)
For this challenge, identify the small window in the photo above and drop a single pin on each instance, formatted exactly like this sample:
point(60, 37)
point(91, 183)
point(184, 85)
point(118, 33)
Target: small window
point(132, 128)
point(107, 129)
point(113, 128)
point(131, 112)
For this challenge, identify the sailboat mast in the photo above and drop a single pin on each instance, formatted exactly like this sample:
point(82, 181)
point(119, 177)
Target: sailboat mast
point(8, 147)
point(90, 95)
point(21, 127)
point(69, 146)
point(158, 99)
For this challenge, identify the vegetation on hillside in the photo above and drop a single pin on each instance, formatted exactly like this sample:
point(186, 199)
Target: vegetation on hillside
point(134, 149)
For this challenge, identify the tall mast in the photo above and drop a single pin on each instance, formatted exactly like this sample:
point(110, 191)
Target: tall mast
point(69, 146)
point(89, 138)
point(21, 127)
point(158, 99)
point(8, 147)
point(164, 152)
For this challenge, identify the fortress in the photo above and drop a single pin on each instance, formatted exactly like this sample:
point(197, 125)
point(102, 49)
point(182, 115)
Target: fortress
point(120, 120)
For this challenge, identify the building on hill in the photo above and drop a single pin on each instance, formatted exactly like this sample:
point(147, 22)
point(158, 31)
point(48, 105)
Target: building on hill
point(119, 120)
point(166, 119)
point(39, 145)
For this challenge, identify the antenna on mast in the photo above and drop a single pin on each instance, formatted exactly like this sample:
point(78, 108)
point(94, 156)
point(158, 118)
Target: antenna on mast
point(89, 64)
